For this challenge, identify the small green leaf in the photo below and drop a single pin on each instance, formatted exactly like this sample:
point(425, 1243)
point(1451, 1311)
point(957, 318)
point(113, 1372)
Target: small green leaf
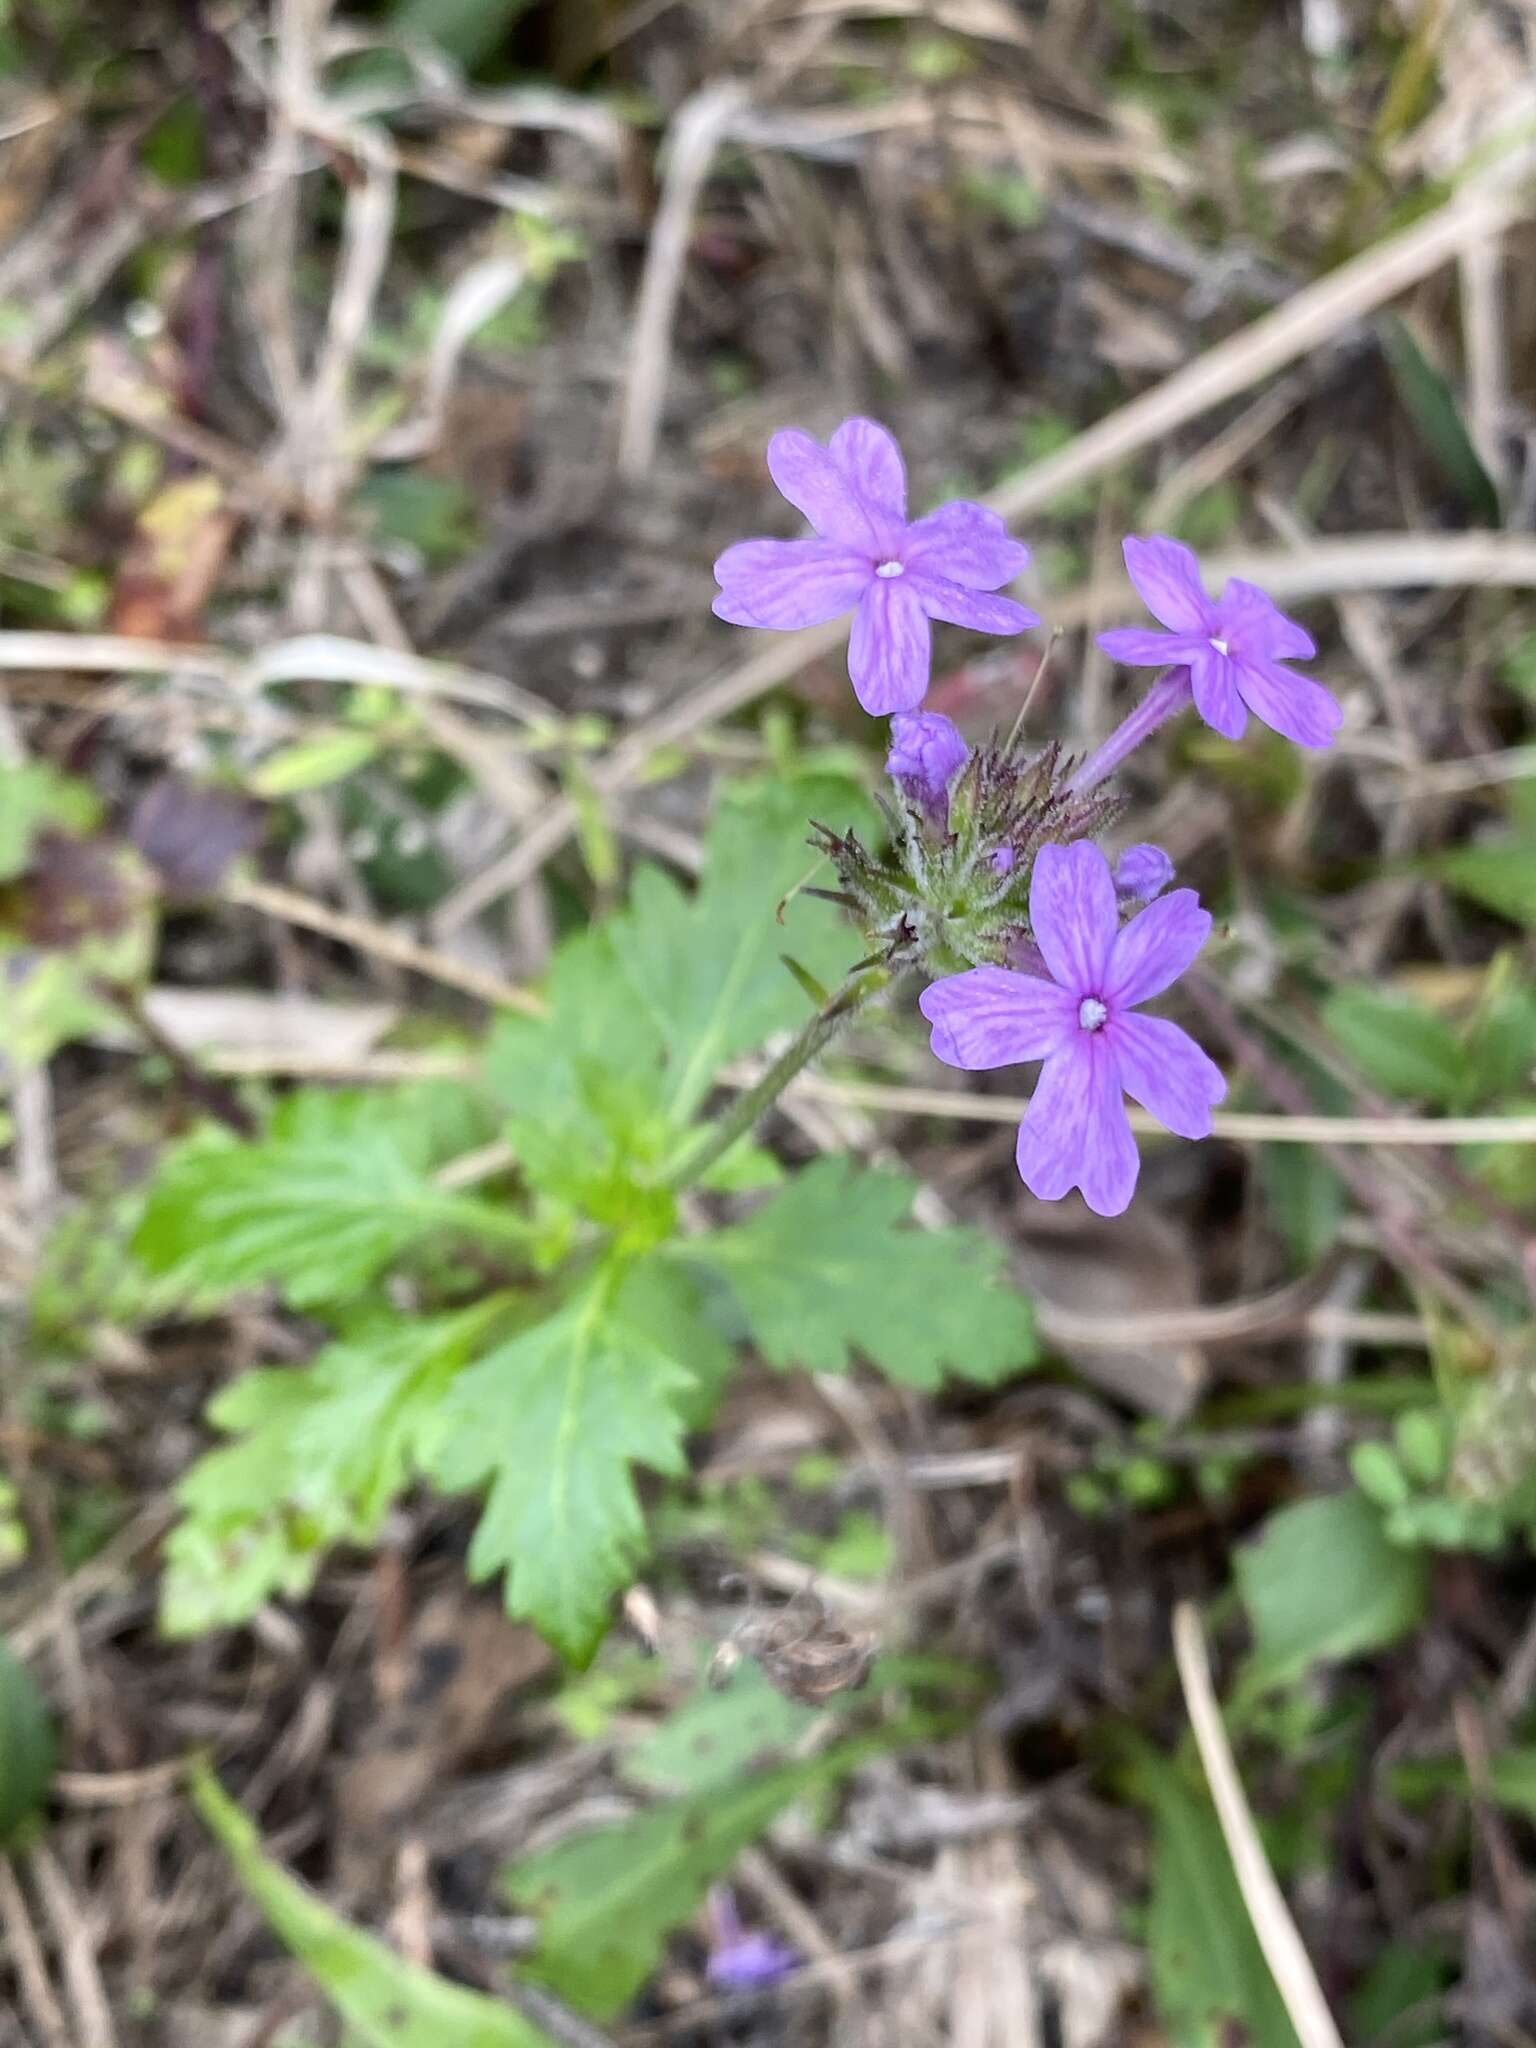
point(33, 797)
point(1429, 402)
point(1305, 1197)
point(823, 1269)
point(554, 1420)
point(469, 30)
point(1400, 1045)
point(1499, 873)
point(715, 1737)
point(26, 1746)
point(607, 1898)
point(389, 2002)
point(1209, 1976)
point(311, 763)
point(1323, 1582)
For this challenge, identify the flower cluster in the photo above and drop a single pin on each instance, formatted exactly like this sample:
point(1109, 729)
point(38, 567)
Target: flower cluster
point(992, 880)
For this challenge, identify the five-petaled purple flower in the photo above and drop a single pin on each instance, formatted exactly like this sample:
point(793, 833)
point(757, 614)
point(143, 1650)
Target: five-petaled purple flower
point(867, 558)
point(1235, 647)
point(927, 752)
point(1083, 1024)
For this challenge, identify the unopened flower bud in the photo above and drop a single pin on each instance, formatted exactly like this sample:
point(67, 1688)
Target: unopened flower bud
point(927, 753)
point(1141, 873)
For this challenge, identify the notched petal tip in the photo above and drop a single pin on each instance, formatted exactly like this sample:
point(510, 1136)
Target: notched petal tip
point(1166, 573)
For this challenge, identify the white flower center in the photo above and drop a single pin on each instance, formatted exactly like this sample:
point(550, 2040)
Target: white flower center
point(1092, 1014)
point(890, 568)
point(1219, 645)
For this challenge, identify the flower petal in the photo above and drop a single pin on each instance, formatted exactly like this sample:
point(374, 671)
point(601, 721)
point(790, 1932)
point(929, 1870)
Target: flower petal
point(965, 543)
point(1250, 618)
point(1167, 574)
point(1163, 1069)
point(991, 1017)
point(1213, 679)
point(787, 583)
point(1142, 648)
point(1155, 948)
point(868, 456)
point(978, 609)
point(819, 487)
point(1292, 704)
point(890, 648)
point(1076, 1133)
point(1072, 911)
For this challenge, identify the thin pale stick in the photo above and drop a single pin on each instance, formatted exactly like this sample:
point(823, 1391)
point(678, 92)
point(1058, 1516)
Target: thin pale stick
point(383, 944)
point(1242, 1126)
point(1288, 1960)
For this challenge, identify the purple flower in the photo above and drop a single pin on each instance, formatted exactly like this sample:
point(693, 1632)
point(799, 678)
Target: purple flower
point(1235, 647)
point(1083, 1024)
point(739, 1960)
point(927, 753)
point(1141, 873)
point(865, 557)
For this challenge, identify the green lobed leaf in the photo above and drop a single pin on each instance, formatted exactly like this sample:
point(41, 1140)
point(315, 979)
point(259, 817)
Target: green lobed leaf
point(339, 1188)
point(1209, 1976)
point(1400, 1045)
point(607, 1898)
point(706, 969)
point(389, 2002)
point(321, 1453)
point(823, 1269)
point(26, 1746)
point(1323, 1581)
point(552, 1423)
point(645, 1010)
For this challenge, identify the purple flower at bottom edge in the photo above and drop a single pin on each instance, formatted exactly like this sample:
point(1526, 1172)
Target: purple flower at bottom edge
point(739, 1960)
point(866, 557)
point(1084, 1025)
point(927, 752)
point(1141, 873)
point(1235, 646)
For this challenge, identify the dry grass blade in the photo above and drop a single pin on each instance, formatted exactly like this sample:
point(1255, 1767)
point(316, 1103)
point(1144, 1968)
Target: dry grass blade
point(696, 134)
point(1272, 1922)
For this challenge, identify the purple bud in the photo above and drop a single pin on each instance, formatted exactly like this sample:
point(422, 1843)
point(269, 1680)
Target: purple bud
point(927, 753)
point(1141, 873)
point(739, 1960)
point(1003, 860)
point(748, 1964)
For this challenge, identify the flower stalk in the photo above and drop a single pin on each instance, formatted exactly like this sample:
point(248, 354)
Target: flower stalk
point(753, 1103)
point(1168, 695)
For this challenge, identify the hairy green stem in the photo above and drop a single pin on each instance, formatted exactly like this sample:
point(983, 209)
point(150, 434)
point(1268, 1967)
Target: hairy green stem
point(812, 1038)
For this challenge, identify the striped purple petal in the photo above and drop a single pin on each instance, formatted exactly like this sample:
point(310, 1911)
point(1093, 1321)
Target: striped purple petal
point(1167, 576)
point(990, 1017)
point(1163, 1069)
point(788, 583)
point(965, 543)
point(1073, 915)
point(890, 648)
